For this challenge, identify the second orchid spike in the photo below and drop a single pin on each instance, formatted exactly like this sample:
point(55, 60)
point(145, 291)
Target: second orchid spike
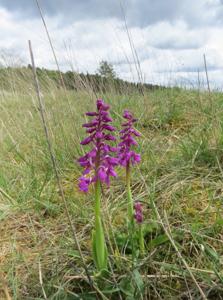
point(126, 155)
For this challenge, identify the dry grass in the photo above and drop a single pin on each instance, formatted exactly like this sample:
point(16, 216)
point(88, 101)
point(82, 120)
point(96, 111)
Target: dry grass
point(181, 173)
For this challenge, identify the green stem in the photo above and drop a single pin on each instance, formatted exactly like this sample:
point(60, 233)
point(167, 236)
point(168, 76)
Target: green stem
point(131, 223)
point(99, 246)
point(129, 194)
point(141, 240)
point(97, 207)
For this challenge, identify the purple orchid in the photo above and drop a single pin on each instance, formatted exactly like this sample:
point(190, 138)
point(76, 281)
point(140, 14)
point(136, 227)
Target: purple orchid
point(138, 216)
point(127, 158)
point(127, 134)
point(99, 159)
point(138, 212)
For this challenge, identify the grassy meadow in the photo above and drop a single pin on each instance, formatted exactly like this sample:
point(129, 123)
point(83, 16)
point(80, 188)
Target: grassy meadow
point(179, 182)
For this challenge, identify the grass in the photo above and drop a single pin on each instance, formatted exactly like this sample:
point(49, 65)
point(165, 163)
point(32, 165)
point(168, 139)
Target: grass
point(181, 173)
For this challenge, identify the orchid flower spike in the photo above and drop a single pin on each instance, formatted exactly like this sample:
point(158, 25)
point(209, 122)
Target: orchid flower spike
point(99, 162)
point(138, 212)
point(126, 155)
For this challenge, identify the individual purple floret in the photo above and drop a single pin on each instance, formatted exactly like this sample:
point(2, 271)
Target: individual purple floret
point(98, 163)
point(138, 215)
point(127, 134)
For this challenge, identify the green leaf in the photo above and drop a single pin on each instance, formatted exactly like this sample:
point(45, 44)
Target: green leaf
point(73, 253)
point(94, 250)
point(159, 240)
point(138, 280)
point(110, 291)
point(99, 250)
point(151, 227)
point(211, 252)
point(126, 287)
point(219, 222)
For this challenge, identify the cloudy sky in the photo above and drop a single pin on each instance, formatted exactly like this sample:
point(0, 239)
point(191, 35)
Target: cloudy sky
point(167, 37)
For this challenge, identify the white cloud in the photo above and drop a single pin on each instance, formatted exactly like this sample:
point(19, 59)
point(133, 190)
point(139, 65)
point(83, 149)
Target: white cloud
point(168, 51)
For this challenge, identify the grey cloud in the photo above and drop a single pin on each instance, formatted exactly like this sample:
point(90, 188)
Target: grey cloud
point(175, 43)
point(143, 12)
point(192, 69)
point(140, 13)
point(71, 10)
